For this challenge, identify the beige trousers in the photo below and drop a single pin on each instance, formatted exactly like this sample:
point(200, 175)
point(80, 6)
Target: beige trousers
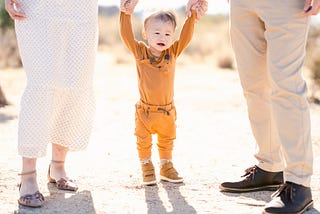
point(269, 39)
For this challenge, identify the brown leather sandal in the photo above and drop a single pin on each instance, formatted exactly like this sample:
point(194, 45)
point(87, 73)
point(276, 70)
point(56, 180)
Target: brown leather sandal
point(62, 183)
point(30, 200)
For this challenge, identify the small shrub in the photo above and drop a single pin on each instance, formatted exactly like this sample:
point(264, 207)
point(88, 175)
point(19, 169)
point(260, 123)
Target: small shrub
point(225, 62)
point(315, 69)
point(3, 100)
point(5, 20)
point(9, 52)
point(313, 53)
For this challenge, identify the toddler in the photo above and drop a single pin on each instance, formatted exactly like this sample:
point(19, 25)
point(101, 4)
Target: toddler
point(155, 62)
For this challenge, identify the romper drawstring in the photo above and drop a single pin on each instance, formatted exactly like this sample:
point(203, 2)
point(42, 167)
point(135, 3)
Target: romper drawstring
point(156, 108)
point(165, 110)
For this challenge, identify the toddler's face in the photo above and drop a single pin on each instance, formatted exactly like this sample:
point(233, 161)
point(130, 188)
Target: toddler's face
point(159, 35)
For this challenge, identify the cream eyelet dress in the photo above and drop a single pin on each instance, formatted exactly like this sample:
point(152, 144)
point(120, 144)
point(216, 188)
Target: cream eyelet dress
point(57, 43)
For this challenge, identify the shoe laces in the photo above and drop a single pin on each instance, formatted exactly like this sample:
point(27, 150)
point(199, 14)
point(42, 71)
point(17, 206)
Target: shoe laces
point(249, 173)
point(287, 189)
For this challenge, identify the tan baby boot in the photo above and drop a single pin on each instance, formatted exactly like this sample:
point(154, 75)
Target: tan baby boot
point(169, 173)
point(148, 174)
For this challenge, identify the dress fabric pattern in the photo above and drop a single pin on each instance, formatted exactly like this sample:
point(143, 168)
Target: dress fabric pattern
point(57, 43)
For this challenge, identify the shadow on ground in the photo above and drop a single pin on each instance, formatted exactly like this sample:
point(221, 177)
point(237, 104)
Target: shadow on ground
point(176, 199)
point(5, 118)
point(258, 199)
point(63, 202)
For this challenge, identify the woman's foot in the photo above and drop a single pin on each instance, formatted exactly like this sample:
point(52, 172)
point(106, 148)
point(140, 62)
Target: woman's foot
point(58, 175)
point(29, 191)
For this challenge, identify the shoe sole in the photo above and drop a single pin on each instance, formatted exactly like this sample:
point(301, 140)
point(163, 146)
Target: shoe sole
point(307, 207)
point(33, 202)
point(29, 205)
point(163, 178)
point(262, 188)
point(150, 183)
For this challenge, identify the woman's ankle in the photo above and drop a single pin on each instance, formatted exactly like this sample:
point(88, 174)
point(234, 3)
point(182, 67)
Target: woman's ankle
point(57, 170)
point(28, 184)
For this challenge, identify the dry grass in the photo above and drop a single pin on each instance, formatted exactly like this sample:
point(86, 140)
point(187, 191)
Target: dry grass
point(210, 43)
point(313, 52)
point(3, 99)
point(9, 53)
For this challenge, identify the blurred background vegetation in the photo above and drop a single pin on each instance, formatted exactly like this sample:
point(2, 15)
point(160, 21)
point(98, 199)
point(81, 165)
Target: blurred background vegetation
point(209, 45)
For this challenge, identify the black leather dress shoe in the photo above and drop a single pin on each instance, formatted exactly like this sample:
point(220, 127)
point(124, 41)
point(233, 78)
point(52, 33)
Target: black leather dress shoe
point(290, 198)
point(255, 179)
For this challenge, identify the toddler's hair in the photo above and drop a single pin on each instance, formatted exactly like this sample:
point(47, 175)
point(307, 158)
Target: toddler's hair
point(162, 15)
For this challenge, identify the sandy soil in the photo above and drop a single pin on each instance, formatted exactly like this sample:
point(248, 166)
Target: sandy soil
point(214, 144)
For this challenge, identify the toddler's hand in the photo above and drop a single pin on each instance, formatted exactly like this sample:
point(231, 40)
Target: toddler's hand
point(127, 6)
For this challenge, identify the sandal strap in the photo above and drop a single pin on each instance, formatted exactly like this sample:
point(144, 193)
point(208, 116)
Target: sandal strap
point(27, 173)
point(55, 161)
point(67, 184)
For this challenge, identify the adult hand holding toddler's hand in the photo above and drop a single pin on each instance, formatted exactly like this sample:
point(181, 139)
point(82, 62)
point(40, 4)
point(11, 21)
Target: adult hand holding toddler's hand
point(127, 6)
point(13, 8)
point(311, 7)
point(200, 6)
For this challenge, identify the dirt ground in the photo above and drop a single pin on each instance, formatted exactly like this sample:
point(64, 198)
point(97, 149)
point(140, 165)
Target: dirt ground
point(214, 144)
